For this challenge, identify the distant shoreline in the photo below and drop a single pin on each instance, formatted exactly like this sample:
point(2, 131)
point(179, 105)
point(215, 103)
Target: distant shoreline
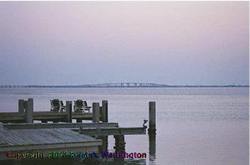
point(129, 86)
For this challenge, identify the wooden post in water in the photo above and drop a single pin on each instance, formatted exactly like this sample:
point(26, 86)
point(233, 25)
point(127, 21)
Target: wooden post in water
point(69, 111)
point(152, 117)
point(29, 111)
point(20, 106)
point(96, 112)
point(119, 145)
point(104, 111)
point(152, 131)
point(104, 119)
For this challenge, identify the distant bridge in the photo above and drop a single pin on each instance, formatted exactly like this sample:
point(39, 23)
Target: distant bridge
point(104, 85)
point(115, 85)
point(127, 84)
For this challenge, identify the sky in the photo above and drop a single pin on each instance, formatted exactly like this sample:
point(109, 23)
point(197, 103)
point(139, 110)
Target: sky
point(175, 43)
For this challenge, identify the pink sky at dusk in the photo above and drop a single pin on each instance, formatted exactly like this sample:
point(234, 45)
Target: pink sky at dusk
point(95, 42)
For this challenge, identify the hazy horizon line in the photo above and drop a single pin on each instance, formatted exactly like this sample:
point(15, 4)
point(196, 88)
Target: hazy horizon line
point(124, 84)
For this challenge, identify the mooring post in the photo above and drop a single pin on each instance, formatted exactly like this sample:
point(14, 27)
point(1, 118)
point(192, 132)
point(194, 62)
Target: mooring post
point(69, 111)
point(29, 111)
point(96, 112)
point(152, 131)
point(152, 118)
point(104, 146)
point(104, 119)
point(152, 146)
point(119, 145)
point(104, 111)
point(21, 106)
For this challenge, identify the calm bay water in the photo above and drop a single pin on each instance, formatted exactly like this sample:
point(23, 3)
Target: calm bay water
point(195, 126)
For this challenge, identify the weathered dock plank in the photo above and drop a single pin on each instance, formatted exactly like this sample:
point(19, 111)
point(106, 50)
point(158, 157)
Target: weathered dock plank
point(57, 125)
point(45, 139)
point(112, 131)
point(12, 117)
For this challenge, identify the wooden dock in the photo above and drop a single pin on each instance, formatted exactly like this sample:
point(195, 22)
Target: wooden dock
point(44, 116)
point(26, 114)
point(18, 133)
point(45, 139)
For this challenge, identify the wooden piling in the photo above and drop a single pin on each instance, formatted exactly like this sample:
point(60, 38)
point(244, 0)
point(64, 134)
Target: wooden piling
point(104, 119)
point(104, 146)
point(152, 131)
point(152, 117)
point(21, 106)
point(119, 145)
point(29, 111)
point(104, 111)
point(96, 112)
point(152, 146)
point(69, 111)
